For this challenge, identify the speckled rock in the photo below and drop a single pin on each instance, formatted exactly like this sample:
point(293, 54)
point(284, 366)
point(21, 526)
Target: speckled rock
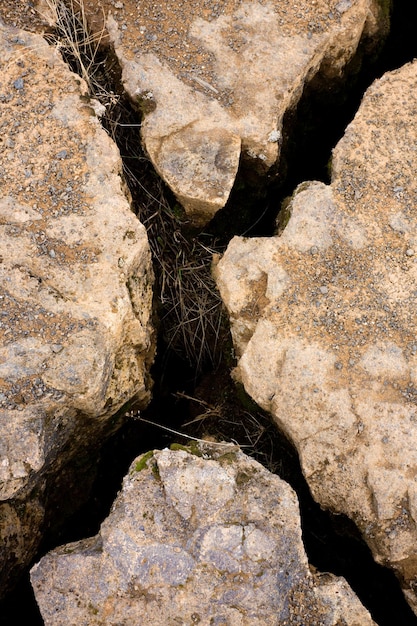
point(204, 538)
point(76, 285)
point(324, 324)
point(215, 79)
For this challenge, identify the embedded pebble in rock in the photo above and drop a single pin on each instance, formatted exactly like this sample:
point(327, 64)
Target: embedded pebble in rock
point(209, 537)
point(324, 324)
point(76, 287)
point(216, 79)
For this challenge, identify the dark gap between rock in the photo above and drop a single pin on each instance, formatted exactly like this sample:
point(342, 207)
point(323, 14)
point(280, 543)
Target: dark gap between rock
point(211, 401)
point(313, 129)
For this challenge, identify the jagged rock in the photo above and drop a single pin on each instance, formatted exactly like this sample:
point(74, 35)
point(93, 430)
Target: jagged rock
point(215, 80)
point(204, 538)
point(324, 323)
point(76, 287)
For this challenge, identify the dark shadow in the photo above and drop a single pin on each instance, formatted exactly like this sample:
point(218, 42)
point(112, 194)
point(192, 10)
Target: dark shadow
point(332, 542)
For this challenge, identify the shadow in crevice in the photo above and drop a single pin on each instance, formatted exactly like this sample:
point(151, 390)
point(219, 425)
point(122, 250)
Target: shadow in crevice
point(313, 128)
point(221, 410)
point(332, 542)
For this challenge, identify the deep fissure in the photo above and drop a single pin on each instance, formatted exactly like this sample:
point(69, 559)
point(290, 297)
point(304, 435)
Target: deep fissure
point(210, 404)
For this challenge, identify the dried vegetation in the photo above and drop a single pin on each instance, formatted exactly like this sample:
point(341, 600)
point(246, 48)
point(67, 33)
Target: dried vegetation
point(189, 306)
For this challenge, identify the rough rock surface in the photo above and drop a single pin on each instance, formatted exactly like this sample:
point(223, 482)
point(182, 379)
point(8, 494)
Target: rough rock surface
point(215, 79)
point(324, 323)
point(194, 540)
point(76, 285)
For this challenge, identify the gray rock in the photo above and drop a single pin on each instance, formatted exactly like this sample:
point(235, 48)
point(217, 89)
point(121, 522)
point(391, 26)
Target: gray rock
point(337, 367)
point(75, 332)
point(207, 539)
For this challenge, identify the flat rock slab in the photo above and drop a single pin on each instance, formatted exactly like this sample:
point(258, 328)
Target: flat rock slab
point(324, 323)
point(191, 539)
point(216, 79)
point(76, 281)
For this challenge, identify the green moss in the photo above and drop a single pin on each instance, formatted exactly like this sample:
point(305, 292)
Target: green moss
point(243, 477)
point(228, 457)
point(142, 463)
point(145, 462)
point(178, 446)
point(192, 448)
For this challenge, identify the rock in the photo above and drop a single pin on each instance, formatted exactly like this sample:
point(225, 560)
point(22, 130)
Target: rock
point(76, 286)
point(215, 80)
point(209, 537)
point(324, 324)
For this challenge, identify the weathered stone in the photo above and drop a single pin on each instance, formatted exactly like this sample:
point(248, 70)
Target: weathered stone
point(76, 284)
point(215, 80)
point(324, 323)
point(194, 540)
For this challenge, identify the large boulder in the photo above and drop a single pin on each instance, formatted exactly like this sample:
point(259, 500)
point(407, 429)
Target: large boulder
point(215, 80)
point(204, 538)
point(76, 288)
point(324, 323)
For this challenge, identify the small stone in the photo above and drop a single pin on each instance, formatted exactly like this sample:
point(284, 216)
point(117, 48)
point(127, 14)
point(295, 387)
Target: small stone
point(274, 136)
point(19, 84)
point(343, 6)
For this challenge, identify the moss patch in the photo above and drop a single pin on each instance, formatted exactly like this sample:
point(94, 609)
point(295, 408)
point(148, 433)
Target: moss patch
point(142, 463)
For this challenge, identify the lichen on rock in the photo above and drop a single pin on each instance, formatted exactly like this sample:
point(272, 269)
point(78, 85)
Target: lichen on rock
point(206, 539)
point(76, 283)
point(215, 81)
point(323, 320)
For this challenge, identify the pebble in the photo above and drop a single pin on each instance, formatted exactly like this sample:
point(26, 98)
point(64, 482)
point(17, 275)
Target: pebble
point(19, 84)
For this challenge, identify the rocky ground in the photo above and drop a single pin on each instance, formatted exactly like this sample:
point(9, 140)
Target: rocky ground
point(335, 316)
point(321, 310)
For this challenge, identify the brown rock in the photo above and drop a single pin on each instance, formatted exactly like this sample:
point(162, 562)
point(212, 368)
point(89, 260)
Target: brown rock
point(215, 80)
point(76, 285)
point(324, 323)
point(194, 540)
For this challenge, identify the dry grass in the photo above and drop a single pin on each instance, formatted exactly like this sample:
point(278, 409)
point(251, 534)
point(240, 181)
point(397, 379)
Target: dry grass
point(223, 412)
point(190, 308)
point(191, 311)
point(72, 37)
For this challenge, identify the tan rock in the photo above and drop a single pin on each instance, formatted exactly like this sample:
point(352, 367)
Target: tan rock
point(215, 80)
point(324, 323)
point(76, 282)
point(194, 540)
